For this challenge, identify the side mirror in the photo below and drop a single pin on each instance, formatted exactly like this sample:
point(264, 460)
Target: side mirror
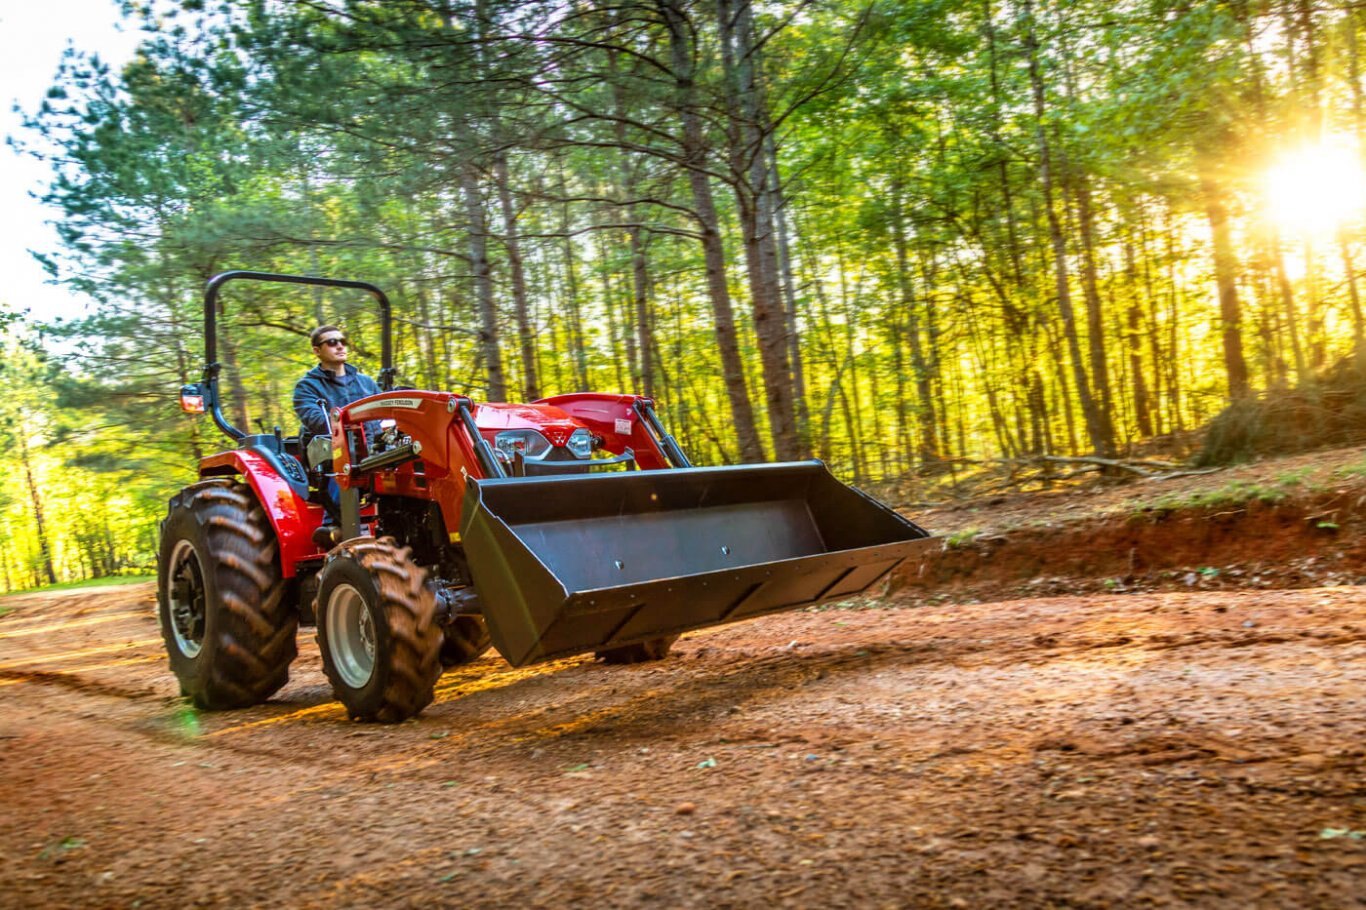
point(192, 398)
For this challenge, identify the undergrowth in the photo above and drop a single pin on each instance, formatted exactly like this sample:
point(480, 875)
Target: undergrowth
point(961, 538)
point(1352, 471)
point(1329, 410)
point(1235, 493)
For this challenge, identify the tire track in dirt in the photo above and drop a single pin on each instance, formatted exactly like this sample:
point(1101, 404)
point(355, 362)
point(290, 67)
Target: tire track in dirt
point(75, 681)
point(48, 629)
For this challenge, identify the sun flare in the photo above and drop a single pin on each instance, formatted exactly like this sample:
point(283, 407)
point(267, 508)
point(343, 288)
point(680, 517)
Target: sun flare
point(1317, 188)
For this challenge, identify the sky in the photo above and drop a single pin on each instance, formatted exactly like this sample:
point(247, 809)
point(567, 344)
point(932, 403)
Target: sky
point(32, 38)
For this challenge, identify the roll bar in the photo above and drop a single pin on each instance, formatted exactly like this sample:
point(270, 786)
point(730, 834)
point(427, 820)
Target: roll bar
point(212, 366)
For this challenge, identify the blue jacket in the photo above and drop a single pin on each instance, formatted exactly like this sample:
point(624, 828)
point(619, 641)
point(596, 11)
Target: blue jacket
point(336, 391)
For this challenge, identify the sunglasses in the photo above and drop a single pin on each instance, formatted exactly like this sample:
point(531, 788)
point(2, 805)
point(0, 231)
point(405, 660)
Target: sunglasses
point(332, 342)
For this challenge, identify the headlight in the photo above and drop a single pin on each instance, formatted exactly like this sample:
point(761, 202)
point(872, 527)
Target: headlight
point(530, 443)
point(580, 443)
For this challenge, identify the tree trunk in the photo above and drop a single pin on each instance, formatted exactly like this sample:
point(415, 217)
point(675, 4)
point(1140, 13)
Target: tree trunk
point(483, 283)
point(578, 346)
point(850, 396)
point(237, 390)
point(1290, 309)
point(306, 182)
point(789, 289)
point(1134, 337)
point(704, 209)
point(1308, 30)
point(618, 340)
point(1349, 268)
point(1154, 334)
point(1318, 343)
point(1095, 323)
point(753, 183)
point(1000, 148)
point(1173, 358)
point(110, 554)
point(640, 277)
point(5, 575)
point(39, 520)
point(428, 348)
point(640, 307)
point(1100, 444)
point(1349, 27)
point(927, 421)
point(526, 333)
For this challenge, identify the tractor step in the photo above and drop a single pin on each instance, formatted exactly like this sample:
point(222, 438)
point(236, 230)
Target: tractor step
point(567, 565)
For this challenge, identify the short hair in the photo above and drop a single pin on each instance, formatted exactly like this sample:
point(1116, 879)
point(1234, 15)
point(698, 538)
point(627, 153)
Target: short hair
point(319, 332)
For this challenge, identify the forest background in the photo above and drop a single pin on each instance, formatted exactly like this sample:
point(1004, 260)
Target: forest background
point(903, 236)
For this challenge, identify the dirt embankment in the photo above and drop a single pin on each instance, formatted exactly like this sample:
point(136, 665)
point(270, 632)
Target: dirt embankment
point(1111, 724)
point(1290, 523)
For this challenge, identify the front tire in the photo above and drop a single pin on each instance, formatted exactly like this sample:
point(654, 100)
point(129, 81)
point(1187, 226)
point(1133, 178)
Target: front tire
point(228, 628)
point(377, 630)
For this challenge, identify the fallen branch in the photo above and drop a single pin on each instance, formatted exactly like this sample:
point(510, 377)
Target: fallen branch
point(1139, 468)
point(1191, 473)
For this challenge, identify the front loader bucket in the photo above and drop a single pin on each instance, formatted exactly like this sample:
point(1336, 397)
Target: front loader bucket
point(564, 565)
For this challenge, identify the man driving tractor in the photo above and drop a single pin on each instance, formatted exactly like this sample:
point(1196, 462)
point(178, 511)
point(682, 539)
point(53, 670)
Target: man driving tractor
point(333, 381)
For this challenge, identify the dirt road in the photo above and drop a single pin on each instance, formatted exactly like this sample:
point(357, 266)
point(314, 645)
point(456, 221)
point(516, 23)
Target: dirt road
point(1178, 748)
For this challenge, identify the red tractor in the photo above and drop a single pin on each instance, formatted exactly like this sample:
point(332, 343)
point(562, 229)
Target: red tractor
point(569, 525)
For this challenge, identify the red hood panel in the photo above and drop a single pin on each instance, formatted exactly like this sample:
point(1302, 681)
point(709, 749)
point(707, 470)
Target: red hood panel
point(553, 423)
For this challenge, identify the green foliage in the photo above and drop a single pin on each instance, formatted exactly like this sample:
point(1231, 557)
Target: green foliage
point(1350, 833)
point(1357, 469)
point(961, 539)
point(77, 502)
point(54, 849)
point(405, 144)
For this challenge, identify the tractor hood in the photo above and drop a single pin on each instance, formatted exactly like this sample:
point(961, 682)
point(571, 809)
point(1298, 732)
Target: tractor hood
point(543, 417)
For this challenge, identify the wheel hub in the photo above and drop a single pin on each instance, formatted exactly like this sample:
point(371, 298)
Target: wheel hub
point(187, 599)
point(351, 635)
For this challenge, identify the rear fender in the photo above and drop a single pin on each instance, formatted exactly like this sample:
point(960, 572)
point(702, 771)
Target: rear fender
point(292, 516)
point(615, 419)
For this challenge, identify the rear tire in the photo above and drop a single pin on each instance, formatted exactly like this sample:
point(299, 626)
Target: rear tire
point(639, 653)
point(465, 641)
point(228, 627)
point(377, 630)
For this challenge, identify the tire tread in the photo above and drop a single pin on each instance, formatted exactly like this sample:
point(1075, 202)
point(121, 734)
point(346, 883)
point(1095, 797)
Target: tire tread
point(413, 664)
point(256, 627)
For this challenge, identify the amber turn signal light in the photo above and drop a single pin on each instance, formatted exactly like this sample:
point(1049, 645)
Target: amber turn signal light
point(192, 399)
